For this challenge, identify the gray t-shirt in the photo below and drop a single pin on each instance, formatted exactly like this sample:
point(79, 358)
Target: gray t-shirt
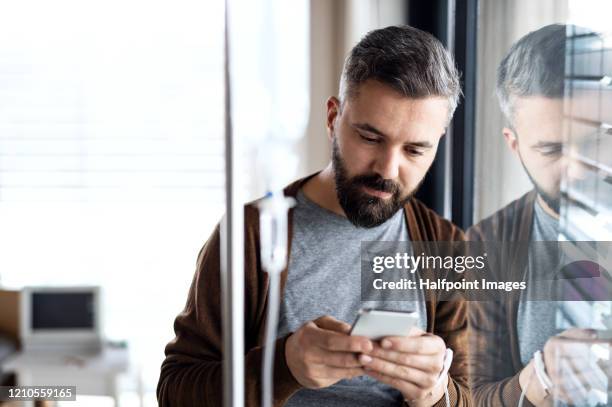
point(325, 279)
point(536, 319)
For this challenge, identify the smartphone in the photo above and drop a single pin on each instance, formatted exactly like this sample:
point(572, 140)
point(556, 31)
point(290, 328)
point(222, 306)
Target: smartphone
point(377, 324)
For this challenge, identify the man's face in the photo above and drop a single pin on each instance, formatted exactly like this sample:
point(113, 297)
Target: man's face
point(383, 144)
point(537, 140)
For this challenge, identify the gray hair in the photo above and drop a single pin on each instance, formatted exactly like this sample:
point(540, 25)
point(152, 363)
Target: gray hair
point(534, 66)
point(410, 61)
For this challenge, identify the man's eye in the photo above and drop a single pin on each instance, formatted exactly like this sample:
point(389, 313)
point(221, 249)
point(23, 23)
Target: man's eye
point(369, 140)
point(413, 151)
point(551, 151)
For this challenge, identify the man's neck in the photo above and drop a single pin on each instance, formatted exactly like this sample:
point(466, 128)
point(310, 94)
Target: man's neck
point(547, 208)
point(321, 189)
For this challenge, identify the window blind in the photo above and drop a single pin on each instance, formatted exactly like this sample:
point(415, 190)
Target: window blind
point(111, 102)
point(586, 212)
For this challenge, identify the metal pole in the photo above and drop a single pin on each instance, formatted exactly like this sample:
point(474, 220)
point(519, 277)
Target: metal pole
point(448, 145)
point(232, 253)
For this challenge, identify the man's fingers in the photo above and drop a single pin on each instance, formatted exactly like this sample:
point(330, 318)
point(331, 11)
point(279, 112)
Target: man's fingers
point(414, 331)
point(572, 389)
point(340, 373)
point(416, 376)
point(426, 363)
point(337, 359)
point(332, 324)
point(334, 341)
point(573, 377)
point(579, 333)
point(405, 387)
point(425, 344)
point(605, 366)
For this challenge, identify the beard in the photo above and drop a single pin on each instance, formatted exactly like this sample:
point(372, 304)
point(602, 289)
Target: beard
point(553, 202)
point(362, 209)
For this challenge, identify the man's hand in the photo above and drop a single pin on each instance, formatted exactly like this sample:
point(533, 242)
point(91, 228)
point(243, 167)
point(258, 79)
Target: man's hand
point(572, 366)
point(322, 353)
point(411, 364)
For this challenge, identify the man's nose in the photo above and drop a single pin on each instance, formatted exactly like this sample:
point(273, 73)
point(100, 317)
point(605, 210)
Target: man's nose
point(387, 163)
point(573, 166)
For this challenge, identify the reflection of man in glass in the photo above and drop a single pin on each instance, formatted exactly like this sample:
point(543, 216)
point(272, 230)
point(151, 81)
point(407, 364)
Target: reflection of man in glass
point(510, 335)
point(530, 88)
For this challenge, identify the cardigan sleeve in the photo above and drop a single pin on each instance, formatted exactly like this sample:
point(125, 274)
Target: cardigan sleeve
point(191, 374)
point(494, 376)
point(449, 319)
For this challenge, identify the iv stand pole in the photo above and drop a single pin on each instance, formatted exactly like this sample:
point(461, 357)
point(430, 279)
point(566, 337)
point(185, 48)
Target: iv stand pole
point(232, 254)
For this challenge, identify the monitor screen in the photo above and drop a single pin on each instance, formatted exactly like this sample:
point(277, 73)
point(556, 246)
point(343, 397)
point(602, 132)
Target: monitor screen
point(62, 310)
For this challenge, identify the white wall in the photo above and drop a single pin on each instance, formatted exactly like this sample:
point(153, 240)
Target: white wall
point(336, 26)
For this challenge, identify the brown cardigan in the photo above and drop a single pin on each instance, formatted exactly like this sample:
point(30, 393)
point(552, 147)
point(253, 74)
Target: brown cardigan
point(191, 373)
point(494, 358)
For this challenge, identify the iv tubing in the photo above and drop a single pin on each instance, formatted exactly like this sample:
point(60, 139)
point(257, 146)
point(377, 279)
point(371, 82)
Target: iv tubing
point(271, 325)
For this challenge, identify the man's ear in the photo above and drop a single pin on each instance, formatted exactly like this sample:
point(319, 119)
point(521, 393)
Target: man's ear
point(511, 140)
point(333, 111)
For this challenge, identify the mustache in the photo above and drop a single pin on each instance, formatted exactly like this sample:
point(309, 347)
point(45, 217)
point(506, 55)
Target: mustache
point(377, 182)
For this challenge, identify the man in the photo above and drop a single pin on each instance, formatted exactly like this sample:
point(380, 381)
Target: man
point(398, 91)
point(507, 334)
